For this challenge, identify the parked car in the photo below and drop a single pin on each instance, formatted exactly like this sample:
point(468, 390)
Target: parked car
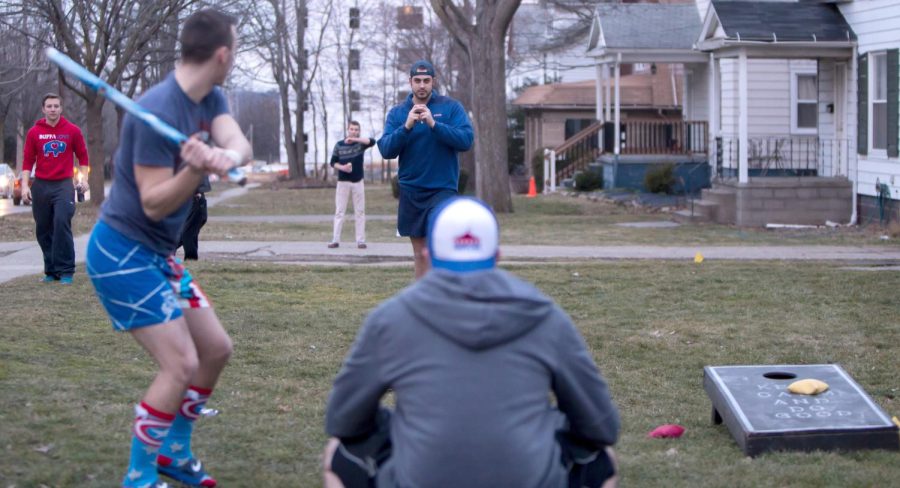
point(7, 181)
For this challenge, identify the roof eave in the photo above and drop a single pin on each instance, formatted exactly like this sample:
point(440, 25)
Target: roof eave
point(593, 106)
point(639, 55)
point(810, 44)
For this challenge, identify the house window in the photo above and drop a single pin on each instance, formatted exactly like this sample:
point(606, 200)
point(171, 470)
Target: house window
point(574, 126)
point(804, 107)
point(878, 109)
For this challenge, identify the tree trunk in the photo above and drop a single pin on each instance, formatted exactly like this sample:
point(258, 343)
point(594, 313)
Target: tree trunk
point(96, 153)
point(3, 138)
point(299, 154)
point(463, 89)
point(489, 101)
point(289, 144)
point(484, 42)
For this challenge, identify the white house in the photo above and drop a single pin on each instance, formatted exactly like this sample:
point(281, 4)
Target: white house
point(874, 98)
point(794, 135)
point(537, 52)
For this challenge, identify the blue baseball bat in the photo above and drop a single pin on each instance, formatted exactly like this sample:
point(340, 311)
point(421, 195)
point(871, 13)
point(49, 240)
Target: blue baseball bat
point(104, 89)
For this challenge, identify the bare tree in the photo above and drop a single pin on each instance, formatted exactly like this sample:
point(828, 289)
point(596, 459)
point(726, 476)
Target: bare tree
point(280, 28)
point(18, 70)
point(24, 76)
point(323, 106)
point(483, 43)
point(343, 37)
point(314, 108)
point(106, 37)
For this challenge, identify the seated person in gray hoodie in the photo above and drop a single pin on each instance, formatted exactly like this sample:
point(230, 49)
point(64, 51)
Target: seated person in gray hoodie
point(471, 354)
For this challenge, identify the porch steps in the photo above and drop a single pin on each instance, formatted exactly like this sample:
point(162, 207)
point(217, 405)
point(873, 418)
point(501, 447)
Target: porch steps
point(716, 204)
point(703, 211)
point(724, 198)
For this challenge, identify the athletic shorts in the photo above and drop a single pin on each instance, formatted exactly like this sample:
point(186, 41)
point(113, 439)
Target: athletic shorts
point(137, 286)
point(414, 208)
point(361, 463)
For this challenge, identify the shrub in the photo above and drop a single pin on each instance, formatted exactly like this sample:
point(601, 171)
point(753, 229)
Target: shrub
point(660, 179)
point(463, 181)
point(588, 181)
point(395, 186)
point(537, 167)
point(518, 170)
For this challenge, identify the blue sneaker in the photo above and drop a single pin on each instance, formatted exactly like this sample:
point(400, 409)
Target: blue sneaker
point(48, 279)
point(190, 472)
point(65, 280)
point(155, 484)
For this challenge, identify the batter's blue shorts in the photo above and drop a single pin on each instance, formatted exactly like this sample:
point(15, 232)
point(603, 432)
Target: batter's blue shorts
point(137, 286)
point(415, 206)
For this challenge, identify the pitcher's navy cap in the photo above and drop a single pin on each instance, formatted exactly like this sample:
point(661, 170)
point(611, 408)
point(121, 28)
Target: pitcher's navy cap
point(463, 235)
point(421, 67)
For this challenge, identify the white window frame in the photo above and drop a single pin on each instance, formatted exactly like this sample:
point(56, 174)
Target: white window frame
point(873, 152)
point(795, 74)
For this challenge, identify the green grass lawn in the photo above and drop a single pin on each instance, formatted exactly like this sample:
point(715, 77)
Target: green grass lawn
point(68, 382)
point(546, 220)
point(20, 226)
point(308, 201)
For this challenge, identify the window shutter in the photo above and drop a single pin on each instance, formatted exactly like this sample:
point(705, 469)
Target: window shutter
point(862, 89)
point(893, 103)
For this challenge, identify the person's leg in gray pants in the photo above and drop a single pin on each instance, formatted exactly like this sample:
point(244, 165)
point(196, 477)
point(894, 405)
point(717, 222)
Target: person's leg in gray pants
point(53, 207)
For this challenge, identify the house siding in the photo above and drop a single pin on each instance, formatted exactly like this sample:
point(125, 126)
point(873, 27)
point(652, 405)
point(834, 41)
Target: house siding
point(837, 150)
point(768, 104)
point(826, 96)
point(875, 24)
point(698, 96)
point(768, 95)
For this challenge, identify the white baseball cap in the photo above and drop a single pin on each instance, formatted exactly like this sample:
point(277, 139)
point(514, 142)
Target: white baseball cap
point(463, 235)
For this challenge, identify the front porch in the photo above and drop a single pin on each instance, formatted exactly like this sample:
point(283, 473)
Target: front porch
point(771, 91)
point(774, 200)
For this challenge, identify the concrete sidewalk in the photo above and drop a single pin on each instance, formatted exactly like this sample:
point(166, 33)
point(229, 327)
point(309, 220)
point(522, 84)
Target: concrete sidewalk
point(26, 259)
point(266, 250)
point(294, 219)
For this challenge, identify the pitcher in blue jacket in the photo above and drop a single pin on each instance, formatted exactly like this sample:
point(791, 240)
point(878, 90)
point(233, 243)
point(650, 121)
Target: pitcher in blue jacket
point(426, 132)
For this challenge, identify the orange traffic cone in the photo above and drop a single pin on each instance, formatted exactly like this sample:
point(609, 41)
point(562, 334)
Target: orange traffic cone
point(532, 188)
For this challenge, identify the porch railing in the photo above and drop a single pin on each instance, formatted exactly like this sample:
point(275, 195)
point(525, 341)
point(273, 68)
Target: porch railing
point(572, 155)
point(785, 156)
point(664, 137)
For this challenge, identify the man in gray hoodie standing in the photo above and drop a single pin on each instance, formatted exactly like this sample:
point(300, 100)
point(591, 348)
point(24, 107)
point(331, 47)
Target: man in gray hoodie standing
point(471, 353)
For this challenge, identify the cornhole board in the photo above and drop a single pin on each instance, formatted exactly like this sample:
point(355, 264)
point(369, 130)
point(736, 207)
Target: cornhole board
point(762, 415)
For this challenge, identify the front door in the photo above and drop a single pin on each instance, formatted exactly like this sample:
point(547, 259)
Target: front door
point(841, 144)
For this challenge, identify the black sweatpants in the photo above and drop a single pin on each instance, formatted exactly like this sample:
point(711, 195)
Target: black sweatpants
point(196, 219)
point(53, 206)
point(357, 461)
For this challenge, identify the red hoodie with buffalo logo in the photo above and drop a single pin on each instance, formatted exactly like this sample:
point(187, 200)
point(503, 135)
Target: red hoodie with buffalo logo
point(52, 149)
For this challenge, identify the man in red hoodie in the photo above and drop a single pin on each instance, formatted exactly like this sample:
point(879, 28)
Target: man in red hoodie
point(50, 145)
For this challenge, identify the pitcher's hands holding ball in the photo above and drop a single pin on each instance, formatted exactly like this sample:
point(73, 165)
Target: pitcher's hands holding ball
point(419, 113)
point(425, 114)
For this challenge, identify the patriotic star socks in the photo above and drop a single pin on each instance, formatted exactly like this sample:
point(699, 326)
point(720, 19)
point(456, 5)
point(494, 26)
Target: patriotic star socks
point(150, 428)
point(176, 448)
